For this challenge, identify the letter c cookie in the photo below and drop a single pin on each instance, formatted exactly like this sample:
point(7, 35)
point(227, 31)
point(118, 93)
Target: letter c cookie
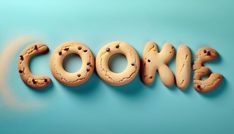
point(76, 78)
point(29, 79)
point(102, 63)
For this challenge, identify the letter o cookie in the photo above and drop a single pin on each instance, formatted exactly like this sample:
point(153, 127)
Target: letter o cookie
point(29, 79)
point(68, 78)
point(102, 63)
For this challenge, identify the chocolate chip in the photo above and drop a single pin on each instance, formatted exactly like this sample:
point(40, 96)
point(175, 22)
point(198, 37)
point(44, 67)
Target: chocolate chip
point(198, 86)
point(192, 63)
point(20, 71)
point(108, 49)
point(21, 57)
point(45, 80)
point(35, 47)
point(204, 51)
point(79, 75)
point(66, 49)
point(151, 77)
point(34, 82)
point(60, 53)
point(208, 53)
point(148, 60)
point(87, 69)
point(117, 46)
point(79, 48)
point(88, 63)
point(133, 64)
point(85, 50)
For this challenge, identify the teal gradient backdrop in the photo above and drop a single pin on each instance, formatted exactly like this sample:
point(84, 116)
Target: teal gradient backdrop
point(98, 108)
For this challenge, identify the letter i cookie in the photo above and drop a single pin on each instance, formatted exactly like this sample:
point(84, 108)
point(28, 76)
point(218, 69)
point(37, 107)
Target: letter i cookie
point(183, 66)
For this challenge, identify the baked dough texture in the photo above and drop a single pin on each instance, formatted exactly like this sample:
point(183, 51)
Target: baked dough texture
point(154, 61)
point(183, 66)
point(102, 63)
point(33, 81)
point(72, 78)
point(214, 79)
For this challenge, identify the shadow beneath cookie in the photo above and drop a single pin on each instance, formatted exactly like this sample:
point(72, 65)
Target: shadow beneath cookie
point(44, 90)
point(173, 88)
point(135, 87)
point(218, 91)
point(224, 84)
point(86, 88)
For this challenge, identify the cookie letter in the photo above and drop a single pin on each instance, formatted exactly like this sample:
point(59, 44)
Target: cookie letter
point(29, 79)
point(76, 78)
point(154, 61)
point(203, 55)
point(183, 66)
point(102, 63)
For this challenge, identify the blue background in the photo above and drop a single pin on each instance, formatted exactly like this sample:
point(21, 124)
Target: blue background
point(99, 108)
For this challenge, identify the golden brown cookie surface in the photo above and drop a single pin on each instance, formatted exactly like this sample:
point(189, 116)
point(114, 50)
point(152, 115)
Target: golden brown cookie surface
point(102, 63)
point(26, 75)
point(203, 55)
point(153, 61)
point(183, 66)
point(68, 78)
